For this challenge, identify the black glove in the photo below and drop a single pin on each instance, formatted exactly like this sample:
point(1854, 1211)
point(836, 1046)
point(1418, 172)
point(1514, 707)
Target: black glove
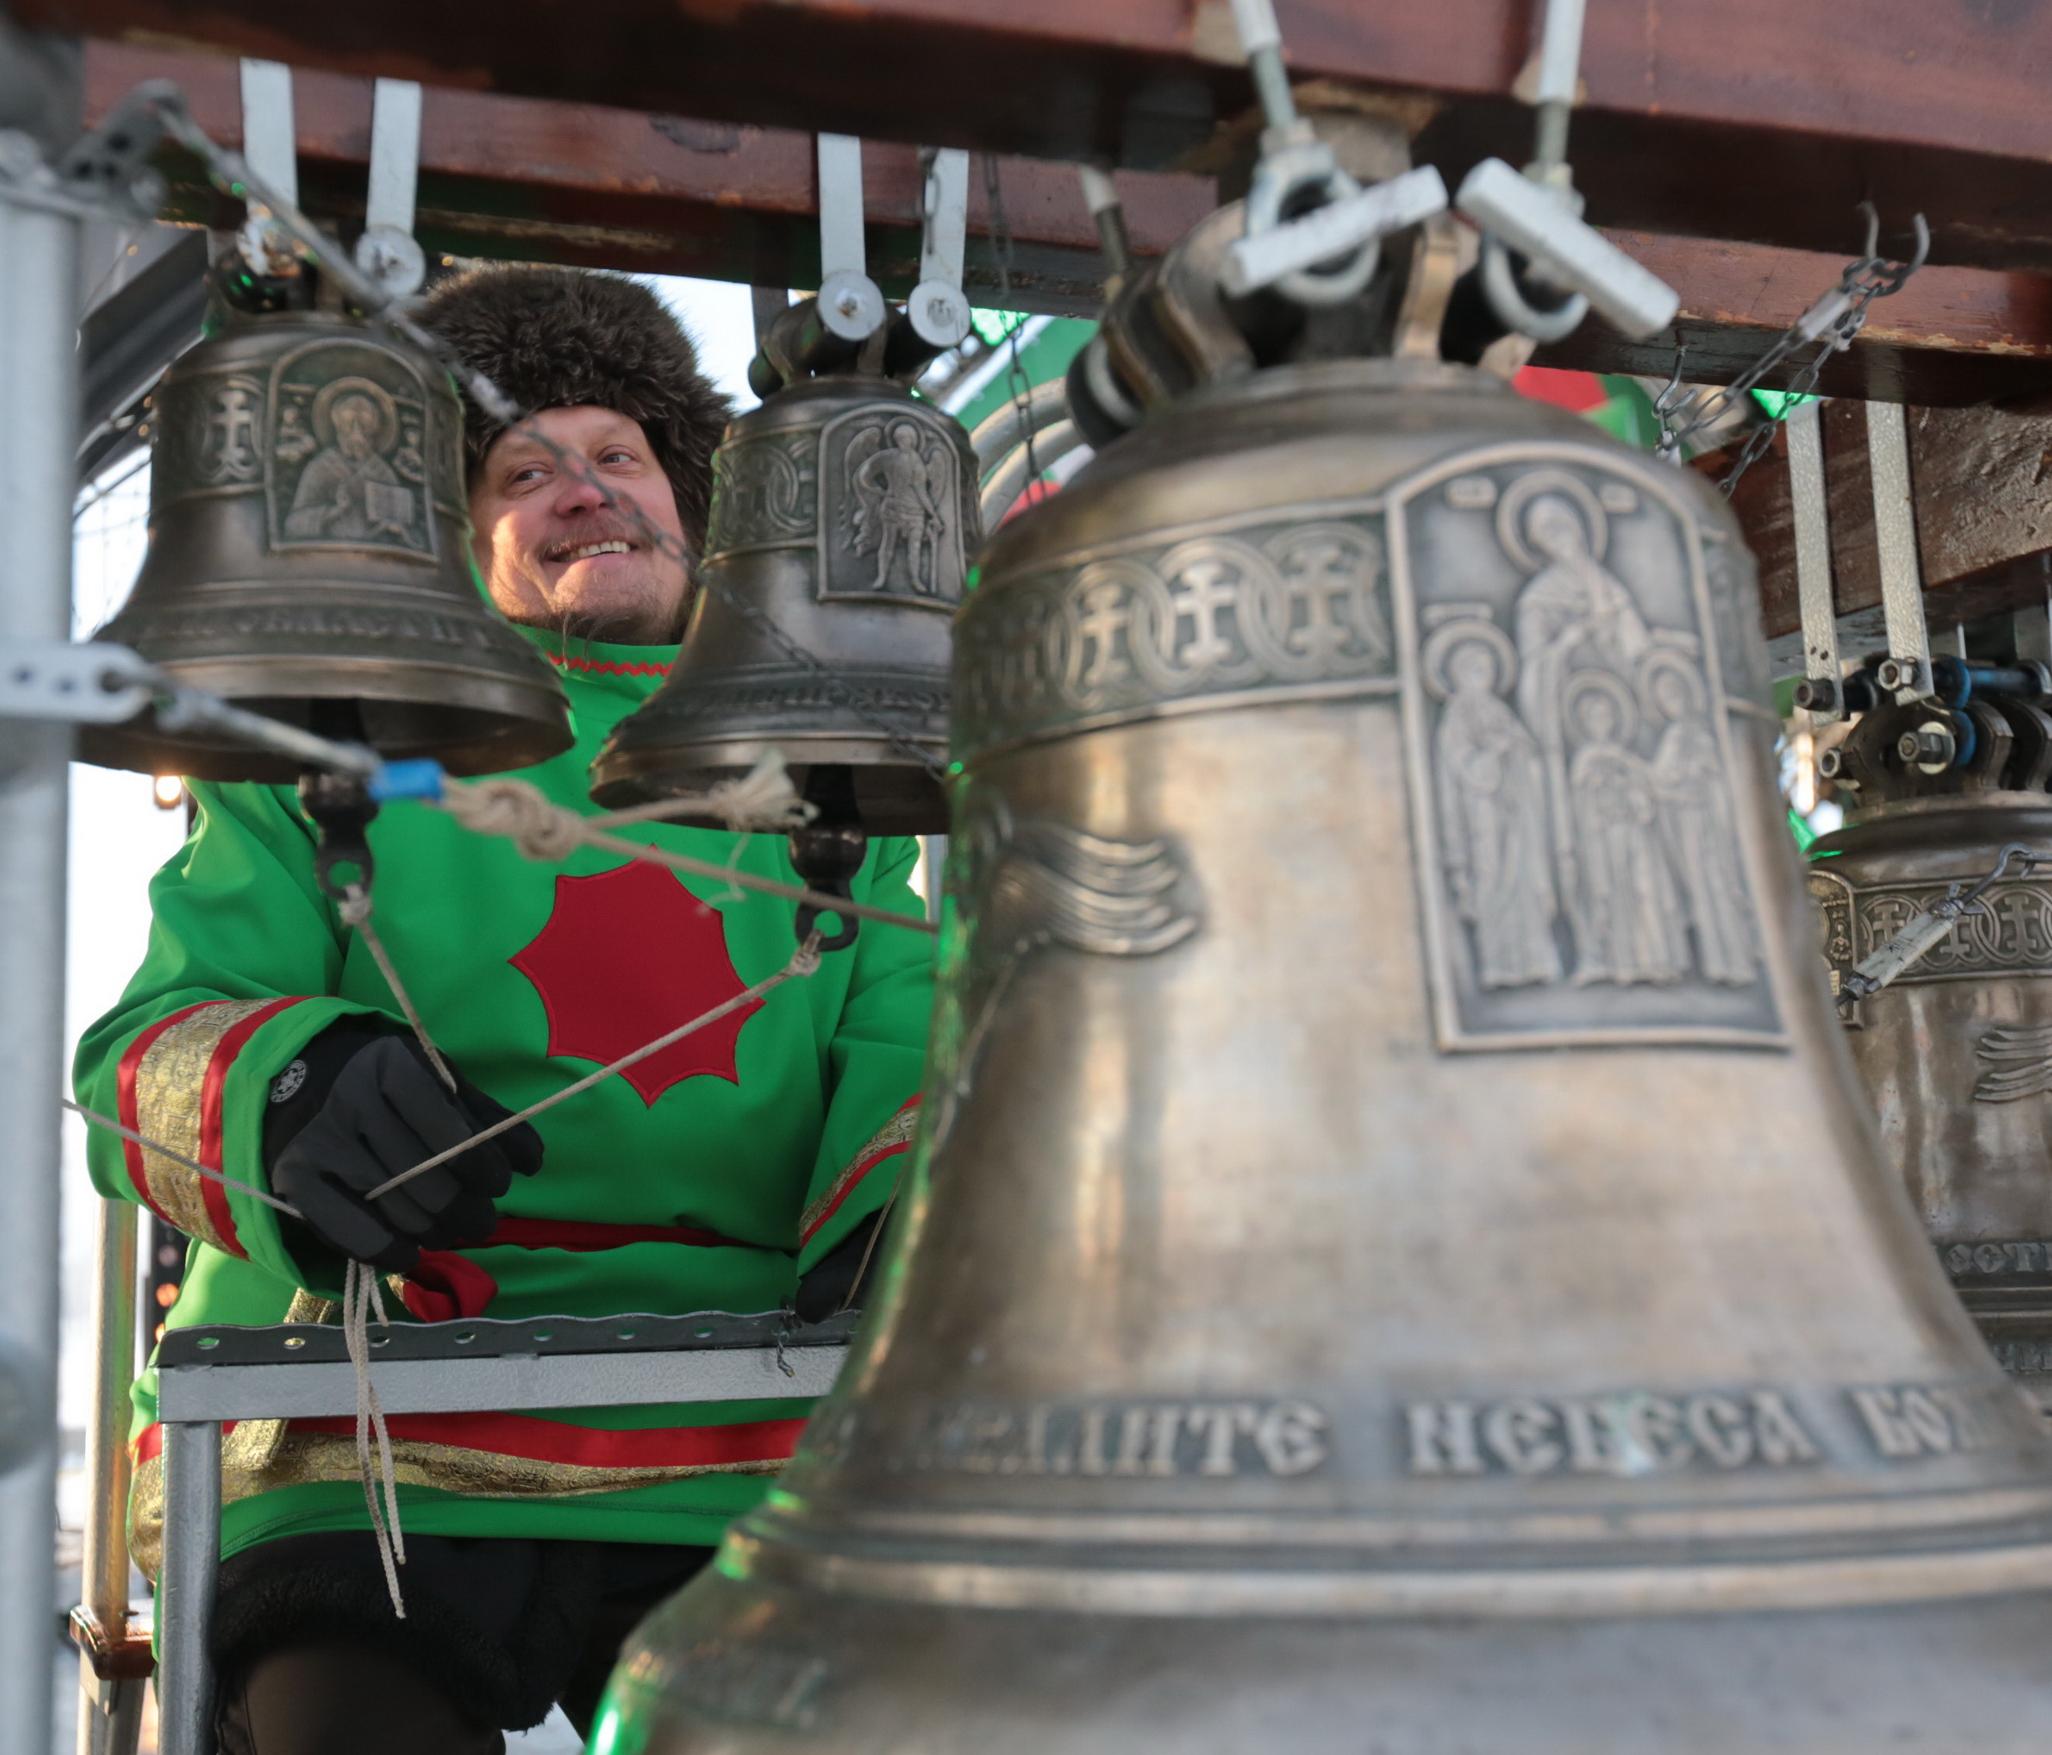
point(359, 1106)
point(831, 1283)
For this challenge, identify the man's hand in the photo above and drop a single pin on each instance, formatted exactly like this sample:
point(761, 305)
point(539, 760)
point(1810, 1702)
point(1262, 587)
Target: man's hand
point(366, 1108)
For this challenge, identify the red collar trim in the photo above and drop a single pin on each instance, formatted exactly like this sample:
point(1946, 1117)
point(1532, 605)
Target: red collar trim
point(605, 666)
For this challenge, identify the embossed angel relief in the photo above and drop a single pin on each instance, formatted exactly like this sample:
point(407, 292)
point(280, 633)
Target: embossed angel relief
point(1583, 821)
point(902, 477)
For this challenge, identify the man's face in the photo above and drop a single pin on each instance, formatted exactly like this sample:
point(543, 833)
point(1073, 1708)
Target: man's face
point(554, 554)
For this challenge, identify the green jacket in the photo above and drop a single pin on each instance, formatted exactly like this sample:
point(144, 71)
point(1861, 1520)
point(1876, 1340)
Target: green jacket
point(706, 1178)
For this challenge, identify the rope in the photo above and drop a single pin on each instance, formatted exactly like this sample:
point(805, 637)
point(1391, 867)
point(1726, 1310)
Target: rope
point(361, 1298)
point(355, 910)
point(361, 1295)
point(192, 1164)
point(551, 832)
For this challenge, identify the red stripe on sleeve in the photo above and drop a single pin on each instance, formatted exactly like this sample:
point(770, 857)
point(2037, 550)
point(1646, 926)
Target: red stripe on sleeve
point(131, 1065)
point(210, 1143)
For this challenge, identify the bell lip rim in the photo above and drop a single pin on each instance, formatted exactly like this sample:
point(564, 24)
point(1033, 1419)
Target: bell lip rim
point(924, 806)
point(1912, 810)
point(1536, 1590)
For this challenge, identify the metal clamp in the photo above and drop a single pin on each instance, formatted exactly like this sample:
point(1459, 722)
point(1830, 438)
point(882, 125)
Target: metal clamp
point(938, 308)
point(1279, 252)
point(851, 305)
point(1296, 179)
point(1926, 929)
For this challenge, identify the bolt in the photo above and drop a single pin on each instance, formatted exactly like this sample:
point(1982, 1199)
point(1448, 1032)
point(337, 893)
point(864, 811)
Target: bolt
point(1831, 764)
point(847, 304)
point(1929, 749)
point(1817, 694)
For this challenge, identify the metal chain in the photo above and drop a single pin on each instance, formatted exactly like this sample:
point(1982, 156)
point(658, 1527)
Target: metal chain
point(1830, 325)
point(1016, 381)
point(228, 173)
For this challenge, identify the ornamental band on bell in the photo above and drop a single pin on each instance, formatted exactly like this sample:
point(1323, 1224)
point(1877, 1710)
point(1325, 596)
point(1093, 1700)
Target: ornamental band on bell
point(335, 435)
point(1570, 761)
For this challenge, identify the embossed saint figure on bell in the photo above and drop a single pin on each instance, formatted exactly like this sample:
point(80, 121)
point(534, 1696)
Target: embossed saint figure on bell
point(1629, 912)
point(1695, 821)
point(1492, 791)
point(349, 492)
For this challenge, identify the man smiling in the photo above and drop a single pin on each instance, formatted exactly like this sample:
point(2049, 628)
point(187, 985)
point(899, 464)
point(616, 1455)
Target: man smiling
point(742, 1168)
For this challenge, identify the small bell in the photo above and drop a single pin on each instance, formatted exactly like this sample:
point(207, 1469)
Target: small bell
point(1955, 1053)
point(310, 559)
point(843, 517)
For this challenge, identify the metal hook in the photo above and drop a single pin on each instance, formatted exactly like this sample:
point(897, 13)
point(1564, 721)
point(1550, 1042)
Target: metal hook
point(1898, 272)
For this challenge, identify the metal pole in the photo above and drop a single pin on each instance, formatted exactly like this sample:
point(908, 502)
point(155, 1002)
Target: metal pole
point(185, 1586)
point(39, 392)
point(108, 1700)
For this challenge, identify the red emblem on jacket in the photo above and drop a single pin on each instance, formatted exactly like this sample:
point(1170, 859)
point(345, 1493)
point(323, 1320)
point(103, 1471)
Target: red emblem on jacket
point(626, 956)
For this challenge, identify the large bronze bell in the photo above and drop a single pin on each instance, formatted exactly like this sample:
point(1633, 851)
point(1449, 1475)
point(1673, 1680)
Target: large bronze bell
point(1397, 1257)
point(310, 559)
point(843, 516)
point(1956, 1053)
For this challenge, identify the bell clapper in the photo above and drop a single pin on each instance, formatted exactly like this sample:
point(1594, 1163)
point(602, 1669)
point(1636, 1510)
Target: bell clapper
point(828, 851)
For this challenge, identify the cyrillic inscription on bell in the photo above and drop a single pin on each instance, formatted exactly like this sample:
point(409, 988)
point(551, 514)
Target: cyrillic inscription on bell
point(1284, 1351)
point(842, 518)
point(309, 557)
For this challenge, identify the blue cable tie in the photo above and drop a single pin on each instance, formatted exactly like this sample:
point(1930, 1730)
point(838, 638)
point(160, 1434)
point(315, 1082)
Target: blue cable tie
point(421, 778)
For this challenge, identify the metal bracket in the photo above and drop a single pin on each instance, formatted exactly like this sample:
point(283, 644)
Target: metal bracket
point(388, 251)
point(58, 681)
point(1907, 669)
point(938, 308)
point(1822, 690)
point(851, 305)
point(270, 147)
point(1540, 223)
point(303, 1371)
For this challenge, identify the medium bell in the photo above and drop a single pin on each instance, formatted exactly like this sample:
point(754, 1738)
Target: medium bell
point(310, 559)
point(1956, 1052)
point(843, 513)
point(1396, 1255)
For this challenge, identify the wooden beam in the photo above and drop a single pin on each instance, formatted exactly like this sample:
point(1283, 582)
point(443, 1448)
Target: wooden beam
point(1984, 523)
point(1763, 119)
point(543, 181)
point(539, 180)
point(1950, 336)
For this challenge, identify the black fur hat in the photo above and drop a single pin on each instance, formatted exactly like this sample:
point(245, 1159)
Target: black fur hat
point(562, 337)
